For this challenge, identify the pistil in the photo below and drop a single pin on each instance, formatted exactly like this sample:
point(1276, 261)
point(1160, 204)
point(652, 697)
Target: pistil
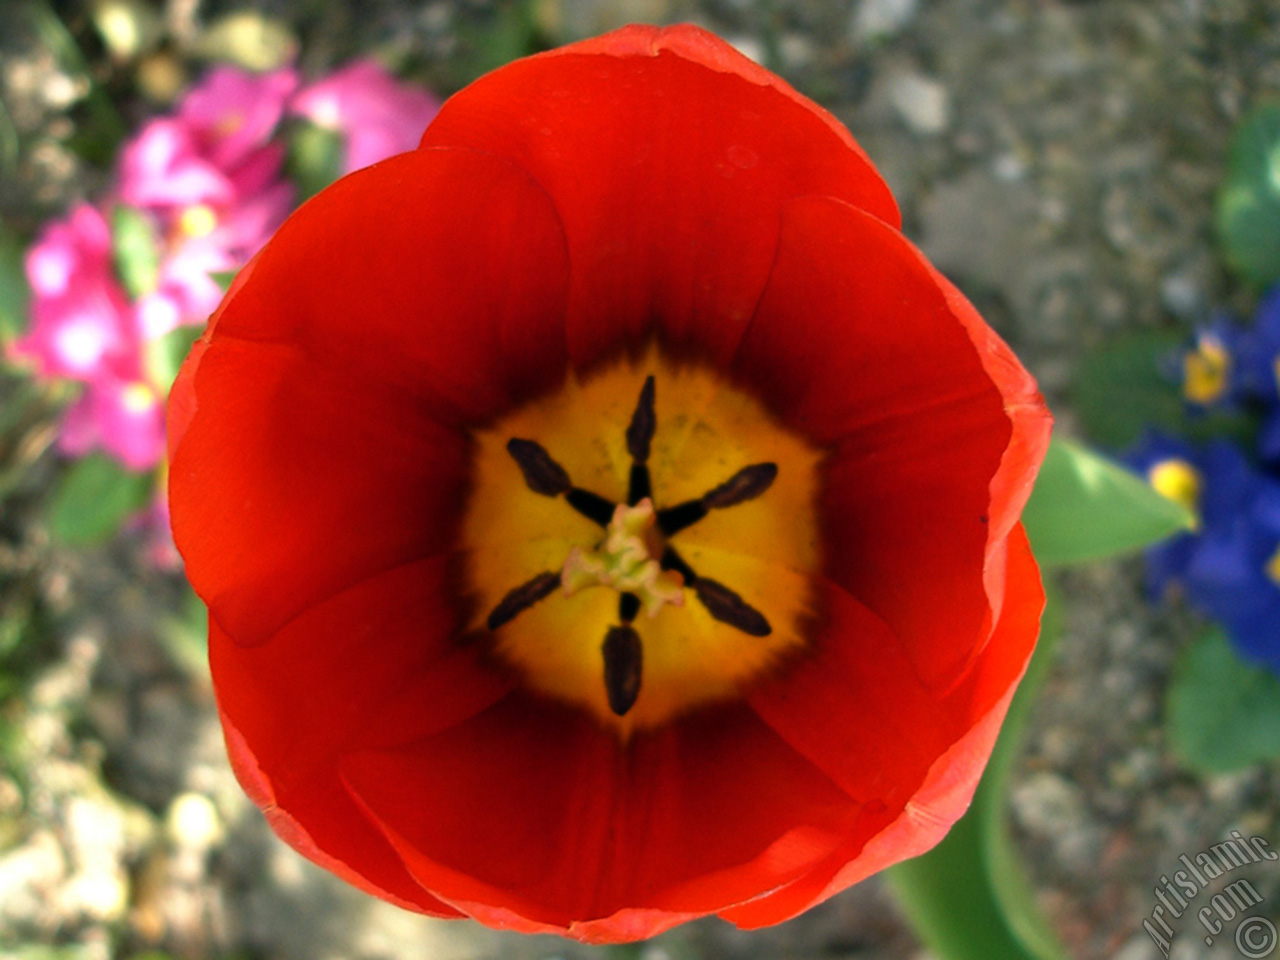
point(624, 562)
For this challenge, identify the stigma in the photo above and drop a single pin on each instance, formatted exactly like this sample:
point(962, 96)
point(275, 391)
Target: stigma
point(625, 562)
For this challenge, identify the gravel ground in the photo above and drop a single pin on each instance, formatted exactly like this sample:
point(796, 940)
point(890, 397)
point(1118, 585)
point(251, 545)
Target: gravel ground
point(1056, 159)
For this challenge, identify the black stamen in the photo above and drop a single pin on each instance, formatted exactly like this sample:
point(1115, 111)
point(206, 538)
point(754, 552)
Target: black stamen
point(727, 607)
point(673, 561)
point(591, 505)
point(643, 424)
point(640, 485)
point(674, 519)
point(628, 607)
point(747, 484)
point(541, 473)
point(622, 661)
point(522, 598)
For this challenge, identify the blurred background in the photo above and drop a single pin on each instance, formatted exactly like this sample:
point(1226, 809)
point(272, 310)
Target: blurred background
point(1058, 160)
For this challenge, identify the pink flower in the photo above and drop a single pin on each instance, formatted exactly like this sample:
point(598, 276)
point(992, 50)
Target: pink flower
point(377, 115)
point(82, 242)
point(212, 169)
point(233, 113)
point(186, 292)
point(81, 324)
point(162, 169)
point(124, 418)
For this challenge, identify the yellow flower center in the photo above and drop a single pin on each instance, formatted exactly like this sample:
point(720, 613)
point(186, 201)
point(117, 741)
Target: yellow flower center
point(138, 397)
point(1177, 480)
point(640, 558)
point(1273, 567)
point(1206, 370)
point(197, 220)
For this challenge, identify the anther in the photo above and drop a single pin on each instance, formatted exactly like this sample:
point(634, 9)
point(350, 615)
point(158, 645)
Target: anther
point(542, 474)
point(522, 598)
point(747, 484)
point(728, 607)
point(643, 424)
point(623, 657)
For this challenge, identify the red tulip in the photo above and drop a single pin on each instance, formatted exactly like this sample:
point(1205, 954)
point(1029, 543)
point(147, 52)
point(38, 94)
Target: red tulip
point(606, 516)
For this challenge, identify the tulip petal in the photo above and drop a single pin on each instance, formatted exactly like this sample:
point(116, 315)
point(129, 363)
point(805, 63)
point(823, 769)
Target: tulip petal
point(861, 346)
point(314, 687)
point(699, 46)
point(300, 698)
point(688, 151)
point(440, 272)
point(853, 705)
point(357, 853)
point(579, 830)
point(309, 481)
point(976, 706)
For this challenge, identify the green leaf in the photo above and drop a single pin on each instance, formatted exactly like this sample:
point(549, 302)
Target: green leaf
point(1085, 507)
point(94, 497)
point(14, 293)
point(969, 898)
point(1222, 713)
point(1248, 207)
point(164, 355)
point(135, 250)
point(315, 158)
point(224, 278)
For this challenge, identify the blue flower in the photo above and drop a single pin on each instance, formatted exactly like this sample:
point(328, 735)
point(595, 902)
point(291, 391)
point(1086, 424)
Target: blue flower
point(1234, 571)
point(1228, 568)
point(1173, 467)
